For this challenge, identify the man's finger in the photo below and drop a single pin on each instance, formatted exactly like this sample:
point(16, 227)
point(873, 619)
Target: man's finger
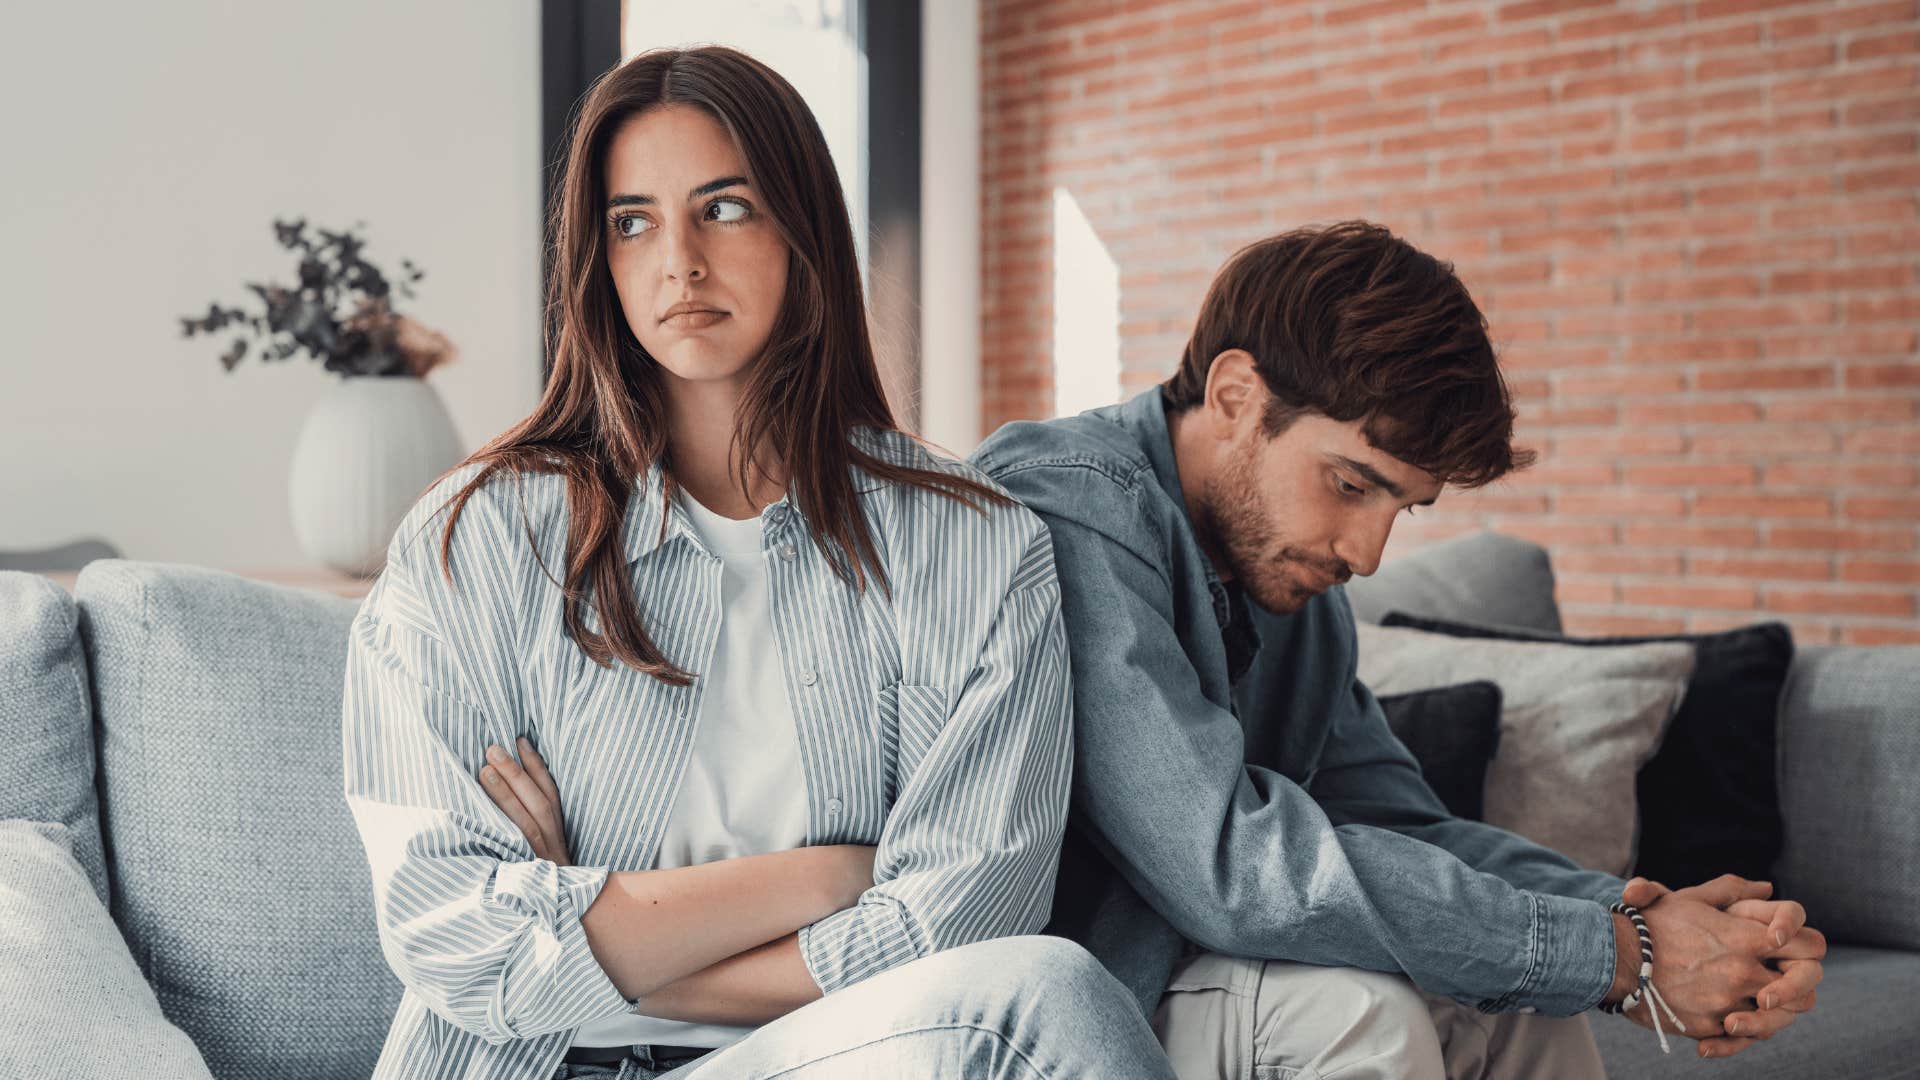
point(1759, 1023)
point(1798, 979)
point(501, 793)
point(1722, 1046)
point(1806, 944)
point(1641, 892)
point(1724, 890)
point(536, 767)
point(1783, 918)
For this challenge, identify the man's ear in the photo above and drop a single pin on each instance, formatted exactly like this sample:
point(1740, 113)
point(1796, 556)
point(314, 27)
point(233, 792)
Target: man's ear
point(1235, 392)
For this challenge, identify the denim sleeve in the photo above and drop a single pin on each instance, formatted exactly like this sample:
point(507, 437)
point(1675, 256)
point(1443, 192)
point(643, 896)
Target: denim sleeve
point(1239, 858)
point(971, 847)
point(1367, 777)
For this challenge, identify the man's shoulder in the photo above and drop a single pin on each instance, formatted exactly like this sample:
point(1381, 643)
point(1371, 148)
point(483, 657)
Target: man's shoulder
point(1068, 449)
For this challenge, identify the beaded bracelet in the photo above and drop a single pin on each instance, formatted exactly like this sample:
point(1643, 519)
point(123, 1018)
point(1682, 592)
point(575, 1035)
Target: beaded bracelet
point(1644, 991)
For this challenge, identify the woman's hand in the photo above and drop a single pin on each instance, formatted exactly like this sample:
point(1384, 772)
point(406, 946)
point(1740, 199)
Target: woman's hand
point(525, 791)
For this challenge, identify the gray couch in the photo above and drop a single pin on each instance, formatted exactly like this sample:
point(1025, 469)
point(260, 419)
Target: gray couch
point(183, 724)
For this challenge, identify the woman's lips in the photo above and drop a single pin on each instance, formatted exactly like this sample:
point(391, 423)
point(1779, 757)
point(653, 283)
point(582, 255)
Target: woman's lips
point(693, 320)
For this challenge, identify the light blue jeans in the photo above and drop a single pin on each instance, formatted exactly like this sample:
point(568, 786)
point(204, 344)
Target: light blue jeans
point(1021, 1008)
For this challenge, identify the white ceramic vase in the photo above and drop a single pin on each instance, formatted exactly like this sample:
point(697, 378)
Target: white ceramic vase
point(365, 454)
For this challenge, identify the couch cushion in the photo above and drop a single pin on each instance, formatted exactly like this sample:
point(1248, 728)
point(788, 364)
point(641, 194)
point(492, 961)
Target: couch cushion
point(1481, 577)
point(46, 719)
point(1709, 802)
point(88, 1004)
point(239, 878)
point(1861, 1028)
point(1453, 732)
point(1576, 725)
point(1849, 756)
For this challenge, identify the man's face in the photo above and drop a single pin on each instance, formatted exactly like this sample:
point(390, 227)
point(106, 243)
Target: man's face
point(1293, 514)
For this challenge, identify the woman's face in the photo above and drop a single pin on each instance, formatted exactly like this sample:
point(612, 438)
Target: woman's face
point(700, 269)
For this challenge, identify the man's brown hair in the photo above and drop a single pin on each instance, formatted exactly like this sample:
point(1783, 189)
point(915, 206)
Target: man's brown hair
point(1352, 322)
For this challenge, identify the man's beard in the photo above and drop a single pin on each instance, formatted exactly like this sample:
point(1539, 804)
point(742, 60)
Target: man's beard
point(1235, 528)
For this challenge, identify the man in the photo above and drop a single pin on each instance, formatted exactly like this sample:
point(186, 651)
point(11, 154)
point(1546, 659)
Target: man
point(1252, 852)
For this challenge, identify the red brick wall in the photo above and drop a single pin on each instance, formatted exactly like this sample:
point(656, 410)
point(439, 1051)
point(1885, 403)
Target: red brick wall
point(1692, 225)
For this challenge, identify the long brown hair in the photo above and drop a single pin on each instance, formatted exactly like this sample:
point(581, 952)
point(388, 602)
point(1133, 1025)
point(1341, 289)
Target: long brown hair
point(602, 418)
point(1354, 323)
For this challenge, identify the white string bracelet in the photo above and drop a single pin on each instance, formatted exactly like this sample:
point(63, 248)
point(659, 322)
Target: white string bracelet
point(1645, 990)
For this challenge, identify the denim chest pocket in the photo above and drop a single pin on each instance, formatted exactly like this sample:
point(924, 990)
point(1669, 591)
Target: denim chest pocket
point(911, 716)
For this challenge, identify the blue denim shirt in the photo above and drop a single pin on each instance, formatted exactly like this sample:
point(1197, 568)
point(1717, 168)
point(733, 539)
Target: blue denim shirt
point(1235, 785)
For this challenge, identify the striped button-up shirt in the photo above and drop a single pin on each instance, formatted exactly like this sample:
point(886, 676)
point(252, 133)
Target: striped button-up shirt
point(933, 723)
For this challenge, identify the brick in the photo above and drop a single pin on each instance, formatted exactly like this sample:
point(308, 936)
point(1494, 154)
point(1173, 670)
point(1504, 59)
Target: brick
point(1691, 536)
point(1616, 562)
point(1687, 411)
point(1834, 18)
point(1884, 508)
point(1883, 375)
point(1837, 602)
point(1783, 378)
point(1684, 474)
point(1570, 590)
point(1616, 444)
point(1881, 571)
point(1636, 505)
point(1762, 442)
point(1765, 507)
point(1670, 594)
point(1842, 474)
point(1869, 48)
point(1613, 384)
point(1881, 635)
point(1760, 569)
point(1854, 407)
point(1596, 624)
point(1853, 538)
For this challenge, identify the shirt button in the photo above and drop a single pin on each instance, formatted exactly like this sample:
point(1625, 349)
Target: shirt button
point(833, 806)
point(787, 552)
point(808, 678)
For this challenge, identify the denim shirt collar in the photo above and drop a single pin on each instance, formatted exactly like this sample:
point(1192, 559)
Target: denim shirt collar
point(1145, 418)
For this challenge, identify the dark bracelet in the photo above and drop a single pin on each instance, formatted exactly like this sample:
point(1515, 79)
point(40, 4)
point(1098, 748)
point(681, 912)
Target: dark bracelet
point(1644, 990)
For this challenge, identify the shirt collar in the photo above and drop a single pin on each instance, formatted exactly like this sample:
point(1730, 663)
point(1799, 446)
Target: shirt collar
point(651, 519)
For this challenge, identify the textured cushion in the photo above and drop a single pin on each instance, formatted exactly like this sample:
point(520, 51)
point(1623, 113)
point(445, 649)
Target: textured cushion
point(46, 720)
point(1861, 1028)
point(238, 874)
point(1850, 791)
point(1709, 804)
point(1453, 733)
point(75, 1002)
point(1576, 725)
point(1481, 577)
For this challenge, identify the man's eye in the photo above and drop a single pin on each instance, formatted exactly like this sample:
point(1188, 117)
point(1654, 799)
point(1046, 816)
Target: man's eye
point(1348, 489)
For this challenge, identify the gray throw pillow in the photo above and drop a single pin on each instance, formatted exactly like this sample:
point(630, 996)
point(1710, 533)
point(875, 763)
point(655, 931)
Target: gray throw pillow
point(76, 1004)
point(1576, 725)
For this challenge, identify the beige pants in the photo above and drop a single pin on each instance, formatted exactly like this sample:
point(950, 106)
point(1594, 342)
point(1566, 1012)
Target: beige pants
point(1230, 1018)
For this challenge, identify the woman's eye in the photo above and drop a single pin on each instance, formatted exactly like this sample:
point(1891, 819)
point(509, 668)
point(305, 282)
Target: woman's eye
point(727, 210)
point(640, 225)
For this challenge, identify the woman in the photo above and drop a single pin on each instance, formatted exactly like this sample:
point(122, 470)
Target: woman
point(815, 775)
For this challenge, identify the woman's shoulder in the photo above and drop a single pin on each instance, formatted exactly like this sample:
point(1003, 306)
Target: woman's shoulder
point(938, 524)
point(505, 496)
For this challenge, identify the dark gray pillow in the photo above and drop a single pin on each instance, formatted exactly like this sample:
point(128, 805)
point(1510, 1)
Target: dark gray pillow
point(1709, 804)
point(1452, 732)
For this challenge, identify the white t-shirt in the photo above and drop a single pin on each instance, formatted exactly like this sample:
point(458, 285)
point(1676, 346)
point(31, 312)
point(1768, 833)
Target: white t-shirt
point(742, 793)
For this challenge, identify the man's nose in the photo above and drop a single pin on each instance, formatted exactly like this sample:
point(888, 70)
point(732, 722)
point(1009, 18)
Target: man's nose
point(1361, 545)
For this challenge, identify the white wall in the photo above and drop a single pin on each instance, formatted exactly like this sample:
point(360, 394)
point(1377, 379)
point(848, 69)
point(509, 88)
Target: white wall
point(148, 148)
point(950, 233)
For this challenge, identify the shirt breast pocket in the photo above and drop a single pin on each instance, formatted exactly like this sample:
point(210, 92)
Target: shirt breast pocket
point(911, 716)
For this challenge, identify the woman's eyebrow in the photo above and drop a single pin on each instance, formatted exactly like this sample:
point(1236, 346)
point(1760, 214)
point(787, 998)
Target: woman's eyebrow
point(707, 188)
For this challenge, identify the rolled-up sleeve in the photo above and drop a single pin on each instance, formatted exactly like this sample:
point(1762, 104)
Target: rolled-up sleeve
point(486, 934)
point(970, 851)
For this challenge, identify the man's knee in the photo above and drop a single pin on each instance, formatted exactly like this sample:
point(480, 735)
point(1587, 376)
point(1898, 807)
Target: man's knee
point(1344, 1022)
